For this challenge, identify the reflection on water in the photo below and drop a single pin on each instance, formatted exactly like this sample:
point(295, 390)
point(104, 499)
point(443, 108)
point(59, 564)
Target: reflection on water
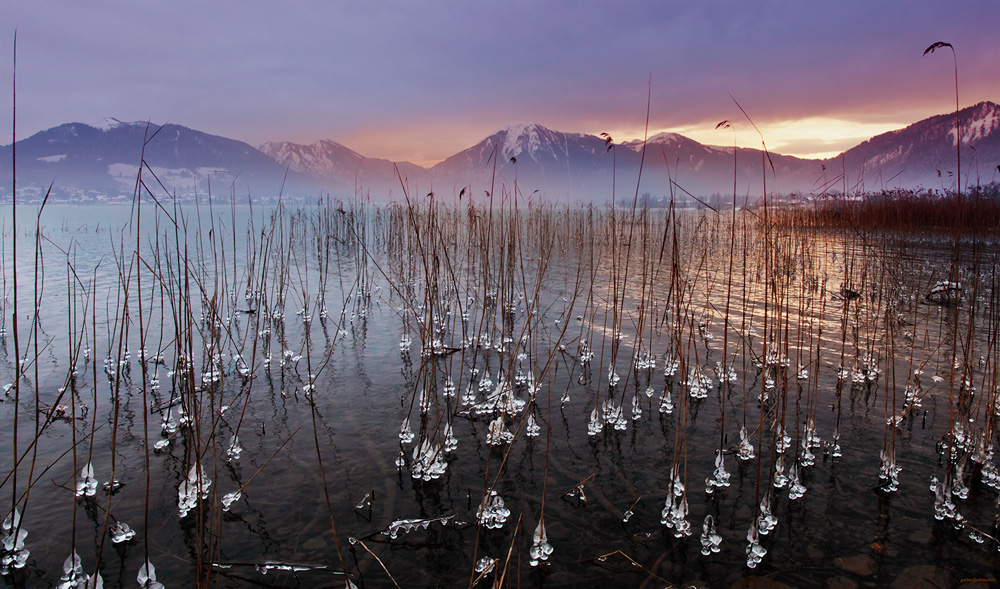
point(545, 397)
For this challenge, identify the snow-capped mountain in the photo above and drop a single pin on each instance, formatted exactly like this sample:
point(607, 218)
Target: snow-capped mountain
point(924, 153)
point(328, 160)
point(109, 123)
point(537, 158)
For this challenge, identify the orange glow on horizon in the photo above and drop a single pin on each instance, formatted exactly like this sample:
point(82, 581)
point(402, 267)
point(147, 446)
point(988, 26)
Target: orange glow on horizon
point(807, 138)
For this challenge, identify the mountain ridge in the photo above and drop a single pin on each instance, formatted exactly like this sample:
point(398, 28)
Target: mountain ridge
point(81, 159)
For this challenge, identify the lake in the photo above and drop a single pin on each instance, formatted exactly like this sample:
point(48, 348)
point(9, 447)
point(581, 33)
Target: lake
point(426, 395)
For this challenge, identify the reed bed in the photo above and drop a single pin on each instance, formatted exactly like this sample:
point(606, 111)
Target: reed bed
point(905, 210)
point(499, 391)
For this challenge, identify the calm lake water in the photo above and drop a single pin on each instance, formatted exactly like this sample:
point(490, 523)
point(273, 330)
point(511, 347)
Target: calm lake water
point(310, 334)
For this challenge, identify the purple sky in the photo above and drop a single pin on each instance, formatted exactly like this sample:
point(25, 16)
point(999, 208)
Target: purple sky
point(421, 80)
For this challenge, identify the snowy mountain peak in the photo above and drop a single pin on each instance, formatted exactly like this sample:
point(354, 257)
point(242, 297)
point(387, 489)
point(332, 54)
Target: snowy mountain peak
point(666, 137)
point(109, 123)
point(520, 128)
point(984, 120)
point(322, 159)
point(515, 139)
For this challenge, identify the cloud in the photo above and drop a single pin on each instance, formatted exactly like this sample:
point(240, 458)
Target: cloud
point(436, 71)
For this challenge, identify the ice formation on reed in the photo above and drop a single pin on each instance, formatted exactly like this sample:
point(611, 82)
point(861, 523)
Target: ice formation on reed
point(540, 550)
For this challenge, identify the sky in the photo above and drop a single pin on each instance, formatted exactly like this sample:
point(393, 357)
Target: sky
point(421, 80)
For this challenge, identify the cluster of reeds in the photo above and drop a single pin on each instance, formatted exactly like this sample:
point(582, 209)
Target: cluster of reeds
point(905, 210)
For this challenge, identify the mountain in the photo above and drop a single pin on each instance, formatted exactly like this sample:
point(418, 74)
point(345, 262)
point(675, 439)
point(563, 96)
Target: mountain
point(557, 164)
point(329, 161)
point(584, 167)
point(581, 167)
point(704, 170)
point(84, 161)
point(924, 154)
point(100, 161)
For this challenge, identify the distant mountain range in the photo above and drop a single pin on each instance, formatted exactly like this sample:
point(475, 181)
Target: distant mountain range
point(100, 162)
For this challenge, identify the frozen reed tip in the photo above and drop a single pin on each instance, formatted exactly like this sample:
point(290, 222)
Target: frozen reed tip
point(540, 550)
point(711, 541)
point(86, 484)
point(666, 402)
point(755, 552)
point(121, 532)
point(229, 499)
point(405, 434)
point(13, 554)
point(720, 477)
point(147, 577)
point(746, 451)
point(492, 513)
point(498, 433)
